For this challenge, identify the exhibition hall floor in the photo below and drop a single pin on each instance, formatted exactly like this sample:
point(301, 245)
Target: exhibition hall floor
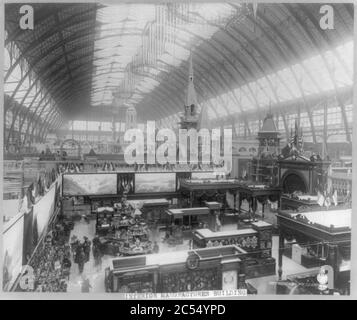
point(264, 285)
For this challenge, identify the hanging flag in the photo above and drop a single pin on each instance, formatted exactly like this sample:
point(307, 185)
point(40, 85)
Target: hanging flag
point(334, 198)
point(329, 180)
point(320, 199)
point(255, 9)
point(327, 202)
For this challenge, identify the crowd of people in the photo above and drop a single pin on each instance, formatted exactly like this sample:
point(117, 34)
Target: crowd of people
point(80, 251)
point(51, 263)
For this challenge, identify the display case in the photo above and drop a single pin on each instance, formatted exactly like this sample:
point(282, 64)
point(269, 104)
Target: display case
point(330, 230)
point(255, 241)
point(179, 271)
point(187, 219)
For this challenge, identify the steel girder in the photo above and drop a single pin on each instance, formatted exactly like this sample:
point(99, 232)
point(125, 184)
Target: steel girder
point(73, 21)
point(345, 94)
point(47, 121)
point(210, 56)
point(48, 51)
point(43, 16)
point(47, 126)
point(40, 76)
point(328, 44)
point(294, 53)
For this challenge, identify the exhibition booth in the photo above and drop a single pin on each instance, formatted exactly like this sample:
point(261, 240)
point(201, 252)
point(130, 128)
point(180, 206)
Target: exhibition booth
point(200, 269)
point(24, 233)
point(317, 238)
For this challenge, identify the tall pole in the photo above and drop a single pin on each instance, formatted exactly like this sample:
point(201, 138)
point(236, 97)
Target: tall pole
point(324, 142)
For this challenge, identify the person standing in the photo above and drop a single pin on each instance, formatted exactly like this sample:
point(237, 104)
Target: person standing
point(66, 264)
point(86, 286)
point(87, 248)
point(80, 259)
point(74, 246)
point(97, 254)
point(155, 248)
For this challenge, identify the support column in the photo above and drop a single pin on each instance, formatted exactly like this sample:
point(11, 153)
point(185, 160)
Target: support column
point(191, 199)
point(156, 281)
point(235, 200)
point(255, 205)
point(332, 260)
point(281, 250)
point(239, 203)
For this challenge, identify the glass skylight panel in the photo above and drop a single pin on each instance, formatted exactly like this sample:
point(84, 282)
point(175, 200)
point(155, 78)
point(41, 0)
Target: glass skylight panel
point(278, 86)
point(212, 11)
point(346, 53)
point(342, 74)
point(307, 84)
point(231, 105)
point(290, 83)
point(20, 93)
point(211, 114)
point(220, 109)
point(29, 98)
point(122, 28)
point(7, 63)
point(319, 72)
point(35, 102)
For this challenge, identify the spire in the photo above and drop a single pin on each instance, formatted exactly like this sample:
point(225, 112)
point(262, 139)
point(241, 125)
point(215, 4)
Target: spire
point(191, 98)
point(269, 124)
point(190, 70)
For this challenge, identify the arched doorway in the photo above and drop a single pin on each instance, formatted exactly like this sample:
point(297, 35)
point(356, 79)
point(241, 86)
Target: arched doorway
point(72, 148)
point(294, 182)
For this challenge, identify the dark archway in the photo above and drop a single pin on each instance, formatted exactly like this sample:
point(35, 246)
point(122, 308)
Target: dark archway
point(72, 148)
point(294, 182)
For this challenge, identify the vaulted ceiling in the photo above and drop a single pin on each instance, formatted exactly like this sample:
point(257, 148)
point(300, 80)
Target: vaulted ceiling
point(83, 53)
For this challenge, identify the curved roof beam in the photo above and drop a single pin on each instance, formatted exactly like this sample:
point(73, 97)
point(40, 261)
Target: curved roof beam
point(44, 16)
point(286, 59)
point(328, 44)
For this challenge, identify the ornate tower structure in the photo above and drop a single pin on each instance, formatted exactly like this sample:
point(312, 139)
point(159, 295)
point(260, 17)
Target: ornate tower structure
point(264, 165)
point(190, 116)
point(269, 141)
